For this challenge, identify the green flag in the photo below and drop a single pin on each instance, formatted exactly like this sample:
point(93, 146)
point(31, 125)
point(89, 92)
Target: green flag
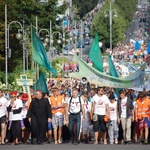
point(112, 69)
point(38, 52)
point(96, 55)
point(41, 84)
point(113, 72)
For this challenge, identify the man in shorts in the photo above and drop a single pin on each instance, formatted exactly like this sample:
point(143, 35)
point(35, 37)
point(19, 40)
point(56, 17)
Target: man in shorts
point(99, 110)
point(57, 106)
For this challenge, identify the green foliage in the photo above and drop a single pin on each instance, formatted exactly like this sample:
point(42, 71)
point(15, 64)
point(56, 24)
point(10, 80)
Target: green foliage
point(2, 77)
point(58, 64)
point(128, 7)
point(27, 10)
point(85, 6)
point(119, 24)
point(18, 71)
point(101, 25)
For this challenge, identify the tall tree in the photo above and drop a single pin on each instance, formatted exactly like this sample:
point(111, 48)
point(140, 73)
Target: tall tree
point(27, 10)
point(85, 6)
point(101, 24)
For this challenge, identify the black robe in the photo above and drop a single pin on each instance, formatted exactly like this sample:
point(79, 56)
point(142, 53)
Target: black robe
point(39, 111)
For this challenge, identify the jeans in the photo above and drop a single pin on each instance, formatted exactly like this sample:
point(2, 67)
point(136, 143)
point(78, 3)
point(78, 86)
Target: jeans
point(74, 119)
point(113, 130)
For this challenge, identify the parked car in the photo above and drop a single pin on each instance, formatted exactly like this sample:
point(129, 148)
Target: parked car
point(66, 52)
point(81, 44)
point(86, 41)
point(70, 47)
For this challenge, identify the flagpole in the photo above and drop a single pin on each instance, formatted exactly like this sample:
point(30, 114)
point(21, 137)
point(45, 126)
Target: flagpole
point(81, 38)
point(50, 47)
point(37, 66)
point(6, 61)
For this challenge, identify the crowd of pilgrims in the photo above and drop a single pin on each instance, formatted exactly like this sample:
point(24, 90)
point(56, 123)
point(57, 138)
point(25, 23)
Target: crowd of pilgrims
point(92, 116)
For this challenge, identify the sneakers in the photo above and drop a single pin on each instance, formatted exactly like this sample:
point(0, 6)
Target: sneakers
point(34, 141)
point(127, 142)
point(29, 140)
point(75, 143)
point(146, 141)
point(49, 141)
point(111, 143)
point(116, 141)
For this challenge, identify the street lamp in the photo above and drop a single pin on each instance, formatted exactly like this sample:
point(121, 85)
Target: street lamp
point(49, 38)
point(19, 36)
point(66, 40)
point(110, 12)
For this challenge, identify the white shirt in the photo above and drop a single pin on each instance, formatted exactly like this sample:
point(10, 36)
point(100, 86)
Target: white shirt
point(16, 105)
point(74, 106)
point(123, 107)
point(3, 106)
point(24, 110)
point(113, 110)
point(100, 104)
point(87, 108)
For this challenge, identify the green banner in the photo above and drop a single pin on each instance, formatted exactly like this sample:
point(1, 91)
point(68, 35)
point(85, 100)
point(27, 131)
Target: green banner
point(96, 77)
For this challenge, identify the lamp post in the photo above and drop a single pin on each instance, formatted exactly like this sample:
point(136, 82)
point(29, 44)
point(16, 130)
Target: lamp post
point(64, 39)
point(49, 38)
point(19, 36)
point(81, 36)
point(110, 12)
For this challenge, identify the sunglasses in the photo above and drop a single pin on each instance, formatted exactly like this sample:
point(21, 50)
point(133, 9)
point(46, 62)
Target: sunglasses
point(13, 97)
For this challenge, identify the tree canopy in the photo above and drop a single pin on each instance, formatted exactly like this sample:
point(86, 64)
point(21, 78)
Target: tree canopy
point(85, 6)
point(26, 10)
point(120, 23)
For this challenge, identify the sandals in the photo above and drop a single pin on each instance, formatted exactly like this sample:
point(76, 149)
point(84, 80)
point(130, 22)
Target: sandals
point(105, 142)
point(96, 142)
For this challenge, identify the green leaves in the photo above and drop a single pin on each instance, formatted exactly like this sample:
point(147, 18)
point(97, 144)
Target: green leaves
point(85, 6)
point(119, 24)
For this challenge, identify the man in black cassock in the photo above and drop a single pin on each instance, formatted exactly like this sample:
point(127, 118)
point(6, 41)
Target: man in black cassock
point(39, 114)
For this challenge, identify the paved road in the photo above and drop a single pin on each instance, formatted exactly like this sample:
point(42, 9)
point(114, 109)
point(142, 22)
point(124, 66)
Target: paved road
point(73, 147)
point(134, 25)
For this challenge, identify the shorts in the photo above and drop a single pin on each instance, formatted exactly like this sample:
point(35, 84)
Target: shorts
point(136, 125)
point(2, 120)
point(49, 126)
point(99, 125)
point(57, 121)
point(142, 124)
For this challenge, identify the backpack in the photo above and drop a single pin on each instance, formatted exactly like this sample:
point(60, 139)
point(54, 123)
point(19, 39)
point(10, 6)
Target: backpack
point(79, 102)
